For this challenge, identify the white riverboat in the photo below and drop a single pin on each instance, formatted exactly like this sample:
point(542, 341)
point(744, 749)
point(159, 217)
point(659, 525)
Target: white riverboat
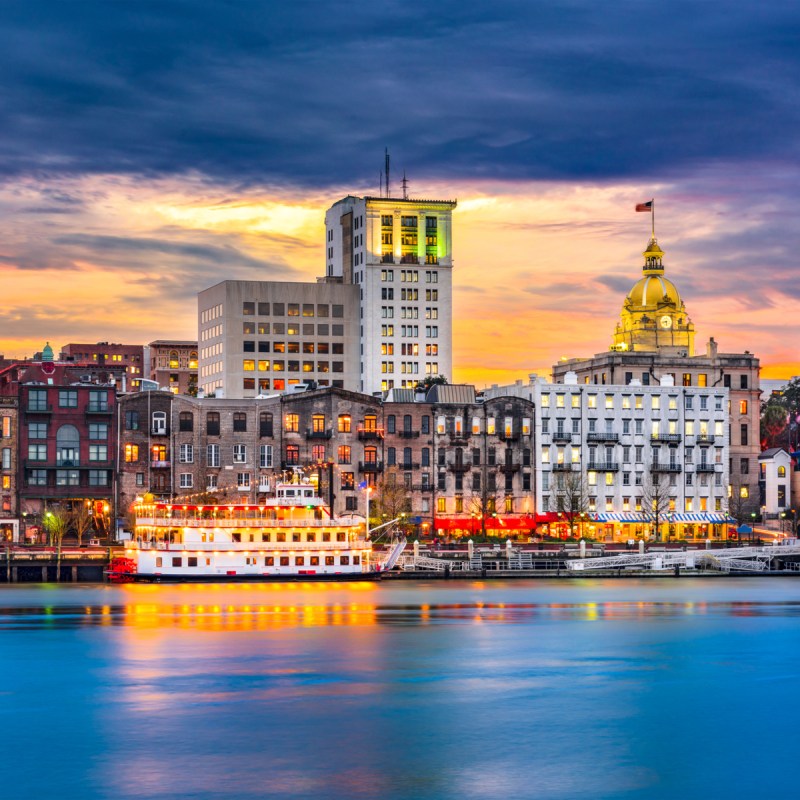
point(289, 537)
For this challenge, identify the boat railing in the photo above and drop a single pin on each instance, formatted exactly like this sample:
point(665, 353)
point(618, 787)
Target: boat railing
point(265, 548)
point(248, 522)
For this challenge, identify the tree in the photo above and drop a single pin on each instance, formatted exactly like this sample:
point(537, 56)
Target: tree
point(482, 503)
point(55, 523)
point(390, 498)
point(655, 502)
point(741, 506)
point(431, 380)
point(81, 519)
point(774, 426)
point(571, 499)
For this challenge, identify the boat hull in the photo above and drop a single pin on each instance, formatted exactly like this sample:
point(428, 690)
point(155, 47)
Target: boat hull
point(115, 577)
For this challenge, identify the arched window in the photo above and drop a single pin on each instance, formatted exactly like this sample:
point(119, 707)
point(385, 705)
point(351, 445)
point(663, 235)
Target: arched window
point(159, 423)
point(174, 359)
point(781, 472)
point(68, 444)
point(193, 360)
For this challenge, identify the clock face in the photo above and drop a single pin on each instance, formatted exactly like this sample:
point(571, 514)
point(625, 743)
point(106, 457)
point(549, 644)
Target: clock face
point(666, 322)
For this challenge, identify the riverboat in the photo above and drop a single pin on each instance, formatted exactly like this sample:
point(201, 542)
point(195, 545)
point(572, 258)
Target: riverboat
point(291, 536)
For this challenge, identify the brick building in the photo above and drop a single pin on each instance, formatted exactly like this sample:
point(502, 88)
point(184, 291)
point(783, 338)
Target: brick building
point(9, 513)
point(172, 364)
point(129, 356)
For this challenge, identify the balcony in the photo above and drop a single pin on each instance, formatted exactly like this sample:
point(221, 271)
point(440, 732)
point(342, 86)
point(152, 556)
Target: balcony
point(408, 434)
point(326, 434)
point(563, 467)
point(68, 463)
point(387, 258)
point(160, 430)
point(370, 466)
point(459, 466)
point(409, 258)
point(99, 408)
point(508, 468)
point(508, 435)
point(597, 436)
point(705, 438)
point(39, 408)
point(561, 437)
point(705, 467)
point(369, 434)
point(662, 467)
point(422, 487)
point(289, 464)
point(459, 438)
point(603, 466)
point(408, 465)
point(669, 438)
point(264, 488)
point(160, 464)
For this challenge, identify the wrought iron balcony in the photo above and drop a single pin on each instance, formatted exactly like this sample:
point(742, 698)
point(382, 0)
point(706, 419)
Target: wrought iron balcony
point(704, 466)
point(159, 464)
point(370, 466)
point(408, 434)
point(665, 467)
point(599, 436)
point(422, 487)
point(459, 466)
point(408, 465)
point(564, 467)
point(562, 437)
point(39, 408)
point(669, 438)
point(508, 436)
point(705, 438)
point(368, 434)
point(603, 466)
point(99, 408)
point(508, 467)
point(324, 434)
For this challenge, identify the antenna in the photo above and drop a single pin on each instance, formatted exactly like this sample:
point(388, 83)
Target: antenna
point(386, 171)
point(380, 191)
point(405, 186)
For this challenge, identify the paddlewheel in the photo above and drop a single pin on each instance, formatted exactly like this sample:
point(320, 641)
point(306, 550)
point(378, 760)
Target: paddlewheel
point(122, 570)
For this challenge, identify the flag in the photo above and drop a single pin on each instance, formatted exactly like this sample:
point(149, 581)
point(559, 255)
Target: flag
point(362, 485)
point(648, 206)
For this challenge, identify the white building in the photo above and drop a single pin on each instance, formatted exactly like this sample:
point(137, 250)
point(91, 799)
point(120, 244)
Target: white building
point(399, 253)
point(620, 438)
point(775, 467)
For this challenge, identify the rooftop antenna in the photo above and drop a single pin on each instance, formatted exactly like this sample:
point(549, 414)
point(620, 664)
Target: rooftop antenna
point(380, 192)
point(386, 172)
point(405, 186)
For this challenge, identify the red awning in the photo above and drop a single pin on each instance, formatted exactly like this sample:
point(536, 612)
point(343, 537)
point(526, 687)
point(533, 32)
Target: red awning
point(500, 523)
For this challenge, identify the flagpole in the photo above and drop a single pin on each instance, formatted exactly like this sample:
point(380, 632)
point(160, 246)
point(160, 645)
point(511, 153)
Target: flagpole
point(653, 216)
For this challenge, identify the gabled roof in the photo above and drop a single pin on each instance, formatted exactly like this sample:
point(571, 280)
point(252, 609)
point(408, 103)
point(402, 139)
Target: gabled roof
point(771, 453)
point(451, 394)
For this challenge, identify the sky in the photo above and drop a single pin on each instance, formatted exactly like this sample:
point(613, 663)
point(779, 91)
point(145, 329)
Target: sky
point(151, 149)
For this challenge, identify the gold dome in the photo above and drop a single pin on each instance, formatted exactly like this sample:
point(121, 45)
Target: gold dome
point(652, 291)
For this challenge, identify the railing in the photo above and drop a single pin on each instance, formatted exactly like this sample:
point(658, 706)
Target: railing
point(256, 548)
point(326, 434)
point(369, 433)
point(459, 466)
point(508, 436)
point(99, 408)
point(408, 465)
point(660, 467)
point(422, 487)
point(370, 466)
point(508, 467)
point(39, 408)
point(160, 430)
point(238, 522)
point(408, 434)
point(68, 463)
point(603, 466)
point(562, 436)
point(602, 437)
point(705, 467)
point(387, 258)
point(564, 467)
point(705, 438)
point(409, 258)
point(158, 464)
point(671, 438)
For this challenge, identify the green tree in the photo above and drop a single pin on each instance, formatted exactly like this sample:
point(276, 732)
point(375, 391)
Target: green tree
point(56, 522)
point(431, 380)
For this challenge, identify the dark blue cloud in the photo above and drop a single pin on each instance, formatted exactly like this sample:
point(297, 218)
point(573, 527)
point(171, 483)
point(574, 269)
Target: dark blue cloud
point(309, 93)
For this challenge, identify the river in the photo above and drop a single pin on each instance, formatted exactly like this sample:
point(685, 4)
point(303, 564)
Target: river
point(527, 689)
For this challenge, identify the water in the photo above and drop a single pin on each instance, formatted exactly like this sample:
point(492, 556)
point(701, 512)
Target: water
point(545, 689)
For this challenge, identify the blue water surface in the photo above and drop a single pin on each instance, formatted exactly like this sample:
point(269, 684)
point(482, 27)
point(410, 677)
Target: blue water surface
point(538, 689)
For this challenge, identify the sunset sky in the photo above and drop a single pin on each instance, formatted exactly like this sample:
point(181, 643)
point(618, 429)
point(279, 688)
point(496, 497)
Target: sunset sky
point(151, 149)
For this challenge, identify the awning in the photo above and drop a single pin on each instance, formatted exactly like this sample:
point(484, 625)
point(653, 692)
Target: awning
point(705, 516)
point(618, 516)
point(503, 522)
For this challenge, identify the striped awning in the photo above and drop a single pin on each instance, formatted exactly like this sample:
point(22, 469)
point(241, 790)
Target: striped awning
point(617, 516)
point(705, 516)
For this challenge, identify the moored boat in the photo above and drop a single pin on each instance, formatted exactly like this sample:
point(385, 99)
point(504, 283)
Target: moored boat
point(292, 536)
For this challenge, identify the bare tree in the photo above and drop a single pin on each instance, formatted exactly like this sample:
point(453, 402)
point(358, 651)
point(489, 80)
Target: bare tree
point(571, 499)
point(82, 518)
point(655, 501)
point(56, 522)
point(742, 509)
point(482, 503)
point(390, 498)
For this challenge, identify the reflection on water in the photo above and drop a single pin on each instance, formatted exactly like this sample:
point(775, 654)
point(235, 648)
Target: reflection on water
point(545, 689)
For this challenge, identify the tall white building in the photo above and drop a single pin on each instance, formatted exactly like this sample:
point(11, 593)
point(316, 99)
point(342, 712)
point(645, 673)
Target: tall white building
point(399, 253)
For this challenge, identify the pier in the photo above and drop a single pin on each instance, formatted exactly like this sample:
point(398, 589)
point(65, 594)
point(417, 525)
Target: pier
point(43, 565)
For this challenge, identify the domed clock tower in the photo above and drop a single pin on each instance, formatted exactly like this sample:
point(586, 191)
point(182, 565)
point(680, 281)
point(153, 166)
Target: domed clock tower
point(653, 315)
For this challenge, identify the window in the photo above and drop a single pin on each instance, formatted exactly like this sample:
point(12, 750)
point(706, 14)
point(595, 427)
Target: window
point(212, 455)
point(743, 381)
point(243, 480)
point(292, 455)
point(743, 406)
point(292, 423)
point(240, 454)
point(37, 452)
point(67, 398)
point(239, 421)
point(186, 454)
point(186, 480)
point(265, 456)
point(186, 421)
point(37, 400)
point(98, 430)
point(98, 400)
point(744, 434)
point(98, 477)
point(131, 453)
point(343, 453)
point(781, 472)
point(212, 423)
point(132, 420)
point(265, 424)
point(744, 466)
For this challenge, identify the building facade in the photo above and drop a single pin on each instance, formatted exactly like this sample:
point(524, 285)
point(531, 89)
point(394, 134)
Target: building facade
point(9, 449)
point(173, 365)
point(775, 481)
point(129, 356)
point(262, 337)
point(399, 253)
point(655, 339)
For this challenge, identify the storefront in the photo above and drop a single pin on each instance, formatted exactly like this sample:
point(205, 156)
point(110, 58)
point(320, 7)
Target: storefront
point(622, 527)
point(500, 525)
